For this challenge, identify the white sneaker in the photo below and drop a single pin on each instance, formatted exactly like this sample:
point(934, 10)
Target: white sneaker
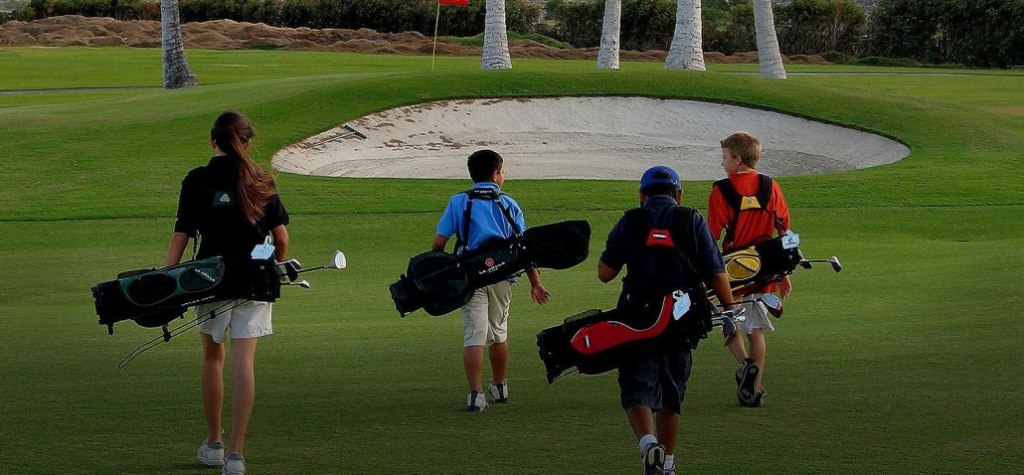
point(499, 392)
point(475, 402)
point(234, 464)
point(211, 454)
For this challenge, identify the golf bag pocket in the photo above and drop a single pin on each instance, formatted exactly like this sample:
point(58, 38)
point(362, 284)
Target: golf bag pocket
point(433, 281)
point(629, 325)
point(154, 297)
point(768, 261)
point(595, 342)
point(491, 264)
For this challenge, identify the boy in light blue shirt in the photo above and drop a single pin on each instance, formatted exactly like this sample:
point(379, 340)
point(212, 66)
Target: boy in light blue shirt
point(476, 217)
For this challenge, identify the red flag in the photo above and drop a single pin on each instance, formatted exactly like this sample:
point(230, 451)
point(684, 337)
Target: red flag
point(461, 3)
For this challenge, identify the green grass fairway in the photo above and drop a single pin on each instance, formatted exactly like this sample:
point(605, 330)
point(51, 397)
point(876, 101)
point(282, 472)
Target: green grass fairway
point(904, 363)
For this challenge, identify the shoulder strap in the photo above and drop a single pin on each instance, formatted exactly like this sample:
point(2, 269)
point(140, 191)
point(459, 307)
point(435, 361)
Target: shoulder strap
point(490, 194)
point(764, 190)
point(636, 224)
point(740, 203)
point(682, 228)
point(732, 197)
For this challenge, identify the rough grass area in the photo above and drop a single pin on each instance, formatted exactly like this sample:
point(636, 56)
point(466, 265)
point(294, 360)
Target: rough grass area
point(904, 363)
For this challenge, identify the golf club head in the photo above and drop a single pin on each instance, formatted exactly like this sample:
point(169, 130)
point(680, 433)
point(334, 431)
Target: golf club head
point(836, 266)
point(773, 304)
point(728, 327)
point(301, 283)
point(737, 315)
point(338, 261)
point(806, 264)
point(291, 269)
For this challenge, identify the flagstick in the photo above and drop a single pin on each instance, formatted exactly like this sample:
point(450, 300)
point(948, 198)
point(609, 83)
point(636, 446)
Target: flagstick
point(437, 21)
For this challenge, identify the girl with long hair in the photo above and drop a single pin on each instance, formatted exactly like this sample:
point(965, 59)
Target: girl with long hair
point(231, 205)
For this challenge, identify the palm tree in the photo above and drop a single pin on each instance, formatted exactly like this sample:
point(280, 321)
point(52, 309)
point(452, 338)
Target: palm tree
point(176, 72)
point(687, 50)
point(495, 54)
point(608, 55)
point(768, 53)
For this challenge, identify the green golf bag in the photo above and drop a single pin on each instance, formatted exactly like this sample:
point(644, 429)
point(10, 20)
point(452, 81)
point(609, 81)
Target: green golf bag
point(154, 297)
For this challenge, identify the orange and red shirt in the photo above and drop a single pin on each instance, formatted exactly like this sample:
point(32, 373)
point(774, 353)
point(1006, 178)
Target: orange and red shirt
point(753, 226)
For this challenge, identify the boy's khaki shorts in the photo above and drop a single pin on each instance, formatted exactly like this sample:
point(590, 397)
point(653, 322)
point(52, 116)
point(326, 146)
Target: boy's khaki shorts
point(485, 316)
point(757, 315)
point(250, 319)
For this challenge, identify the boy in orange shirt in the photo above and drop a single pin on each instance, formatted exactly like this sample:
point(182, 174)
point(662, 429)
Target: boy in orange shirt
point(749, 206)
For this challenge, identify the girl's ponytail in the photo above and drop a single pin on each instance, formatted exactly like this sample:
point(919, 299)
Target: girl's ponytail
point(231, 131)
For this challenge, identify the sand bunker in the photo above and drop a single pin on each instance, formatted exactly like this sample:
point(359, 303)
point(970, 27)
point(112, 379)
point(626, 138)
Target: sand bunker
point(578, 137)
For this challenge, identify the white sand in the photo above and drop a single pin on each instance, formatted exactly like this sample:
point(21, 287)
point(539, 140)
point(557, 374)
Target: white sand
point(580, 137)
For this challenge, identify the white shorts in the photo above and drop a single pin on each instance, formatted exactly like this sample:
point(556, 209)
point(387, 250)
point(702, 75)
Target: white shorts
point(250, 319)
point(485, 316)
point(757, 315)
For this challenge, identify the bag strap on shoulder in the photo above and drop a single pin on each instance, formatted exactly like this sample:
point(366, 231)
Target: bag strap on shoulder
point(740, 203)
point(490, 194)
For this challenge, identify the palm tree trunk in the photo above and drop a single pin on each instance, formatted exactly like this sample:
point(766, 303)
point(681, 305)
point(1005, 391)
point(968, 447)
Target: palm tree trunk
point(176, 71)
point(768, 54)
point(687, 50)
point(495, 54)
point(608, 55)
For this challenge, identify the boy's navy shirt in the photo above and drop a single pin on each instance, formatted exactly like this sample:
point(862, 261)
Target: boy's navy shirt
point(487, 221)
point(707, 261)
point(209, 206)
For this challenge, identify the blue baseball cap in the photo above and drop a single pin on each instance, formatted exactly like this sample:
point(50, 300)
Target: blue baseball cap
point(660, 175)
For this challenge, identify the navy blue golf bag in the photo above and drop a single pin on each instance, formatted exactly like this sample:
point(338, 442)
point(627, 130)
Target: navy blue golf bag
point(439, 282)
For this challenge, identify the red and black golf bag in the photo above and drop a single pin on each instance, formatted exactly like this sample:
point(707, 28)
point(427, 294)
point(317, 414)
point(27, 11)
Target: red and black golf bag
point(598, 341)
point(656, 311)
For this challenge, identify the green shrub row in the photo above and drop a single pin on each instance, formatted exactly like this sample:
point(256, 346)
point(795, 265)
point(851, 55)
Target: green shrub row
point(119, 9)
point(386, 16)
point(803, 26)
point(988, 33)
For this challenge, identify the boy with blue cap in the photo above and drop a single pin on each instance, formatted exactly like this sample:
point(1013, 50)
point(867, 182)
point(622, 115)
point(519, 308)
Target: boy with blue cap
point(653, 384)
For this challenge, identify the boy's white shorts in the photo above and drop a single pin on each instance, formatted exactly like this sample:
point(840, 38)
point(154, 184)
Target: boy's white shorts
point(250, 319)
point(485, 316)
point(757, 315)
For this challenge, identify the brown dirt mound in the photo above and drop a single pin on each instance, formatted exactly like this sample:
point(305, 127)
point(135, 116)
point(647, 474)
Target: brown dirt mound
point(74, 30)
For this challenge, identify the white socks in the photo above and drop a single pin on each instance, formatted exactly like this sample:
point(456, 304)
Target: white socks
point(670, 462)
point(647, 439)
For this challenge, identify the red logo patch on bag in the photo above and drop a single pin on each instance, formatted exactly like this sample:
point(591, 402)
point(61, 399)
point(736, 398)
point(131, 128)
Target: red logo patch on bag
point(660, 237)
